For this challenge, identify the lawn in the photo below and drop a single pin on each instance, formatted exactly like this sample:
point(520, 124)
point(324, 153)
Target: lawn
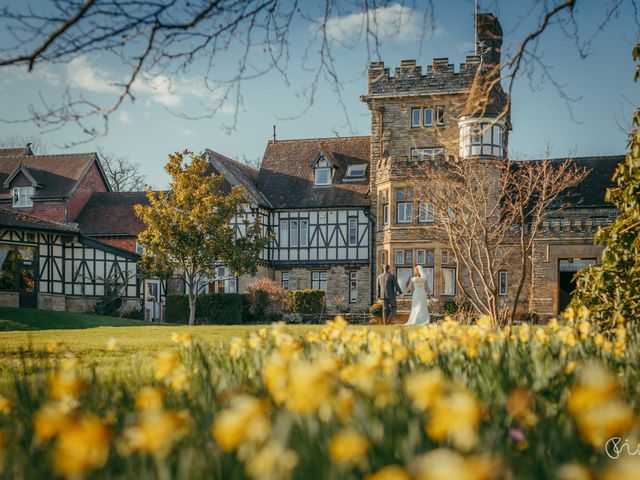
point(108, 343)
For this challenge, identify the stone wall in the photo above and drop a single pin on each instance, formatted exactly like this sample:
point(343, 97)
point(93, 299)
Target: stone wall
point(9, 299)
point(51, 302)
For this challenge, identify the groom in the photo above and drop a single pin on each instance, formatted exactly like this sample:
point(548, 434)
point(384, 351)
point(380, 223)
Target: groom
point(387, 289)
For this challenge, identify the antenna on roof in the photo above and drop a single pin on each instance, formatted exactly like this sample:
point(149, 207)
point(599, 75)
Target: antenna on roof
point(274, 133)
point(475, 27)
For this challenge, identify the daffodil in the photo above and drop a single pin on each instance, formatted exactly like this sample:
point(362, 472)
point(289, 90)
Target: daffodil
point(149, 398)
point(272, 461)
point(455, 417)
point(348, 446)
point(424, 388)
point(390, 472)
point(244, 420)
point(156, 431)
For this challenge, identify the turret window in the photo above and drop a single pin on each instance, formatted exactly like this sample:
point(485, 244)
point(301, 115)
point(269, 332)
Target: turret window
point(440, 115)
point(481, 139)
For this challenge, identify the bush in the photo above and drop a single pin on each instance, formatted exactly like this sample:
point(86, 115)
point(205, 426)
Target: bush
point(211, 309)
point(136, 313)
point(305, 301)
point(450, 307)
point(294, 318)
point(266, 298)
point(376, 309)
point(111, 300)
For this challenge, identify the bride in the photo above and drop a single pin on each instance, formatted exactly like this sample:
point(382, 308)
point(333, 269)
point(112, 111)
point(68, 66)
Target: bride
point(419, 303)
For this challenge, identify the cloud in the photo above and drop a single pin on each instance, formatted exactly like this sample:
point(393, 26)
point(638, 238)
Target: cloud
point(155, 88)
point(395, 21)
point(81, 74)
point(187, 132)
point(124, 117)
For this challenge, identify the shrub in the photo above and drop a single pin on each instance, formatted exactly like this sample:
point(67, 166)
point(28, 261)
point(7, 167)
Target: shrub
point(136, 313)
point(111, 300)
point(305, 301)
point(266, 297)
point(376, 309)
point(294, 318)
point(450, 307)
point(211, 309)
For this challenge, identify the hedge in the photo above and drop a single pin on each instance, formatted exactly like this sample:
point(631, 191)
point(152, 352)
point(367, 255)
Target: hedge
point(306, 301)
point(211, 309)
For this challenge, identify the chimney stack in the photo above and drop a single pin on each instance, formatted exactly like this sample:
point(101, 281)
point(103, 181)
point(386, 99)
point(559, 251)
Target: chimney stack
point(489, 35)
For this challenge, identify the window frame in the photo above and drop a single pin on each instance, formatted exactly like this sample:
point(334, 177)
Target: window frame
point(417, 110)
point(350, 168)
point(284, 282)
point(283, 226)
point(444, 281)
point(440, 115)
point(306, 233)
point(428, 208)
point(407, 210)
point(427, 153)
point(23, 195)
point(424, 113)
point(503, 291)
point(395, 257)
point(353, 287)
point(293, 233)
point(385, 214)
point(352, 231)
point(322, 169)
point(322, 278)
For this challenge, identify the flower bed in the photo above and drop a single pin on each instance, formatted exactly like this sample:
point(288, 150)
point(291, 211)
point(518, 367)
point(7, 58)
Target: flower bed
point(442, 401)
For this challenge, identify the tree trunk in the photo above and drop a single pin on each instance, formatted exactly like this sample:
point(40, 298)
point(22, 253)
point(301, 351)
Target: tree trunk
point(192, 305)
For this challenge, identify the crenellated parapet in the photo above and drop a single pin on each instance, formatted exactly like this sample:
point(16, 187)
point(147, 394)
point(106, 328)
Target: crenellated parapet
point(409, 79)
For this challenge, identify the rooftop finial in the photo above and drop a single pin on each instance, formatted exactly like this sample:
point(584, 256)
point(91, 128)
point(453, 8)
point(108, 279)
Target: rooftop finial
point(274, 133)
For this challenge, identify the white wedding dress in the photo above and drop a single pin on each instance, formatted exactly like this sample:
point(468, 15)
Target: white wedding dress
point(419, 303)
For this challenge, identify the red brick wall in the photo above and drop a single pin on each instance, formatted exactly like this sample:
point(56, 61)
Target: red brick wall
point(53, 211)
point(126, 243)
point(90, 183)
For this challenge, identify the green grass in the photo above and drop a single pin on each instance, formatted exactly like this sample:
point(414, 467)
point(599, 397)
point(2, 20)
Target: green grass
point(85, 336)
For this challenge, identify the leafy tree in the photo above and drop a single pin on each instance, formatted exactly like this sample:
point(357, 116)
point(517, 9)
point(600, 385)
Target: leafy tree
point(189, 229)
point(612, 289)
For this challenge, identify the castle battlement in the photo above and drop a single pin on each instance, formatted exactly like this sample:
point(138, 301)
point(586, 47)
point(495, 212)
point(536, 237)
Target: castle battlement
point(409, 79)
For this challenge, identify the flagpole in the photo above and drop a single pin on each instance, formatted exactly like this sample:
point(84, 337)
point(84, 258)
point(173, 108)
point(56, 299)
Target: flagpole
point(475, 27)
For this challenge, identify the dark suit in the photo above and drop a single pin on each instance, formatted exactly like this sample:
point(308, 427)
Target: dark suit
point(387, 289)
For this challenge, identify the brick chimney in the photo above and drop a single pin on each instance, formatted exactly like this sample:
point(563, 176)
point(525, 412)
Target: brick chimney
point(489, 34)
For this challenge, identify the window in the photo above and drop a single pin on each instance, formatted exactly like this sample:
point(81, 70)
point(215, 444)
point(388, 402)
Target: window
point(427, 117)
point(399, 257)
point(383, 258)
point(22, 196)
point(319, 281)
point(421, 257)
point(385, 214)
point(502, 282)
point(404, 212)
point(449, 281)
point(440, 115)
point(353, 287)
point(403, 194)
point(356, 171)
point(223, 281)
point(304, 233)
point(430, 257)
point(353, 232)
point(429, 153)
point(139, 249)
point(284, 233)
point(415, 117)
point(451, 212)
point(481, 139)
point(403, 275)
point(445, 257)
point(323, 172)
point(404, 257)
point(293, 233)
point(427, 212)
point(284, 280)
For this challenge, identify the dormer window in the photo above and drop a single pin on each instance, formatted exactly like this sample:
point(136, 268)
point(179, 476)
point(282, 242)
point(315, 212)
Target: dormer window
point(22, 196)
point(322, 172)
point(356, 171)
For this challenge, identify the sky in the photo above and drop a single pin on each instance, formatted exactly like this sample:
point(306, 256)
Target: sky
point(146, 131)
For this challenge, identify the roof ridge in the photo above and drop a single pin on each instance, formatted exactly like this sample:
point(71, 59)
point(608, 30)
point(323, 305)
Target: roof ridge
point(31, 217)
point(233, 160)
point(317, 138)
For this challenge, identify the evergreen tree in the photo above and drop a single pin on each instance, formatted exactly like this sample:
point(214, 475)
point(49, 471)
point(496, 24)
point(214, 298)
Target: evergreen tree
point(612, 289)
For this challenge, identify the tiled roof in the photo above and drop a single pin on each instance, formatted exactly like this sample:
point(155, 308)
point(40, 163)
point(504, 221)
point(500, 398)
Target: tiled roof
point(286, 176)
point(15, 152)
point(237, 173)
point(112, 213)
point(58, 174)
point(590, 192)
point(12, 219)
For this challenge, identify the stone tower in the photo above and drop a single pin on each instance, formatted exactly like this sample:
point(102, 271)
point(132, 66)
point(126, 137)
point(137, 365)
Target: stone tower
point(438, 115)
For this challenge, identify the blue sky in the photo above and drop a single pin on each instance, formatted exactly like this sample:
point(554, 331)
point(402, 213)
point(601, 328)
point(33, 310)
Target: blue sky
point(147, 130)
